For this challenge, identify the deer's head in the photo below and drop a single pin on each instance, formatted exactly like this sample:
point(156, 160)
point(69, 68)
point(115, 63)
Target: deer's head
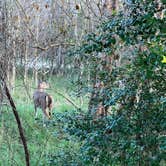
point(42, 85)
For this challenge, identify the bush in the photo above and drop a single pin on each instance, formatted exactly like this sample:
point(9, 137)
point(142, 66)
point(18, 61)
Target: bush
point(134, 133)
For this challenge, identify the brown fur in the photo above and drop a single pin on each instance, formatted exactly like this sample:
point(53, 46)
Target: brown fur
point(43, 101)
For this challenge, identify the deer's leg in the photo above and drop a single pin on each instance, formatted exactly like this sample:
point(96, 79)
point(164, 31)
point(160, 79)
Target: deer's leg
point(45, 116)
point(36, 112)
point(46, 113)
point(50, 112)
point(44, 119)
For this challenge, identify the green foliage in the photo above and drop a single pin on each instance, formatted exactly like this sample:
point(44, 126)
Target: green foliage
point(136, 127)
point(134, 131)
point(115, 140)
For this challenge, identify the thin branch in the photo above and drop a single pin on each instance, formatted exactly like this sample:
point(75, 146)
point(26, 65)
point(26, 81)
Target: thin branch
point(12, 104)
point(52, 45)
point(67, 98)
point(28, 27)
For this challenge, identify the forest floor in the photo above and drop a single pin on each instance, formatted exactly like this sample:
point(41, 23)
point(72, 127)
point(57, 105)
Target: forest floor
point(44, 143)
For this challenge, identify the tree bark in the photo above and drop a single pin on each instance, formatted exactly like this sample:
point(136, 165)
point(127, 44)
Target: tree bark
point(25, 62)
point(36, 50)
point(13, 66)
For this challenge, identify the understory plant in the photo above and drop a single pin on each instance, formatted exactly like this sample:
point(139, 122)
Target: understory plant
point(132, 95)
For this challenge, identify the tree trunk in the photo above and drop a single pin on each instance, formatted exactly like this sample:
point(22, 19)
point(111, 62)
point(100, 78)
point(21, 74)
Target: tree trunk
point(13, 74)
point(25, 62)
point(36, 50)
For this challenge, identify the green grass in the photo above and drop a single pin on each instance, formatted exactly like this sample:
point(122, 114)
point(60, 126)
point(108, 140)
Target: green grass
point(42, 141)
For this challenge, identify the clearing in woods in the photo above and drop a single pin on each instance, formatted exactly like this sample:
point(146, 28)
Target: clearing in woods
point(42, 142)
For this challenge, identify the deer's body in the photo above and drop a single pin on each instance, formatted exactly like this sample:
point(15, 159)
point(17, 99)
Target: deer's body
point(43, 101)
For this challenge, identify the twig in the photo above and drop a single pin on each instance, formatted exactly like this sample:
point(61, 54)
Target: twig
point(28, 27)
point(69, 100)
point(52, 45)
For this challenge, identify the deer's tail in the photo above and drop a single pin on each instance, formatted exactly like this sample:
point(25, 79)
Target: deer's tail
point(47, 100)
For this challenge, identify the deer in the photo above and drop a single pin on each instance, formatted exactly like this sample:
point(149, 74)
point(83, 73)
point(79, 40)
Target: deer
point(43, 101)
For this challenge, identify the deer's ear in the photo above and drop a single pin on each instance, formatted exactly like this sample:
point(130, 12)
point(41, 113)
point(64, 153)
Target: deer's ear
point(47, 85)
point(39, 81)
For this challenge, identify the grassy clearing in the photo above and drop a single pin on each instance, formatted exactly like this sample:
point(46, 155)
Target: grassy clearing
point(42, 142)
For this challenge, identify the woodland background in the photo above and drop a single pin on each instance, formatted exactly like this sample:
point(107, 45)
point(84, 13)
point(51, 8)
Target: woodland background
point(103, 62)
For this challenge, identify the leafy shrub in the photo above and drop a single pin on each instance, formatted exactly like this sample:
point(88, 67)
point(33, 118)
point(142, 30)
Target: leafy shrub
point(134, 133)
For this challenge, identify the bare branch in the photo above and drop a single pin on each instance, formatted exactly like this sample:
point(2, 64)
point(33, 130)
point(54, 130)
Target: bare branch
point(12, 104)
point(52, 45)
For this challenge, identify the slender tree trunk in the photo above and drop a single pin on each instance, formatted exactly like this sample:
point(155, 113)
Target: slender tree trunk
point(8, 73)
point(36, 50)
point(13, 67)
point(5, 59)
point(59, 59)
point(25, 62)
